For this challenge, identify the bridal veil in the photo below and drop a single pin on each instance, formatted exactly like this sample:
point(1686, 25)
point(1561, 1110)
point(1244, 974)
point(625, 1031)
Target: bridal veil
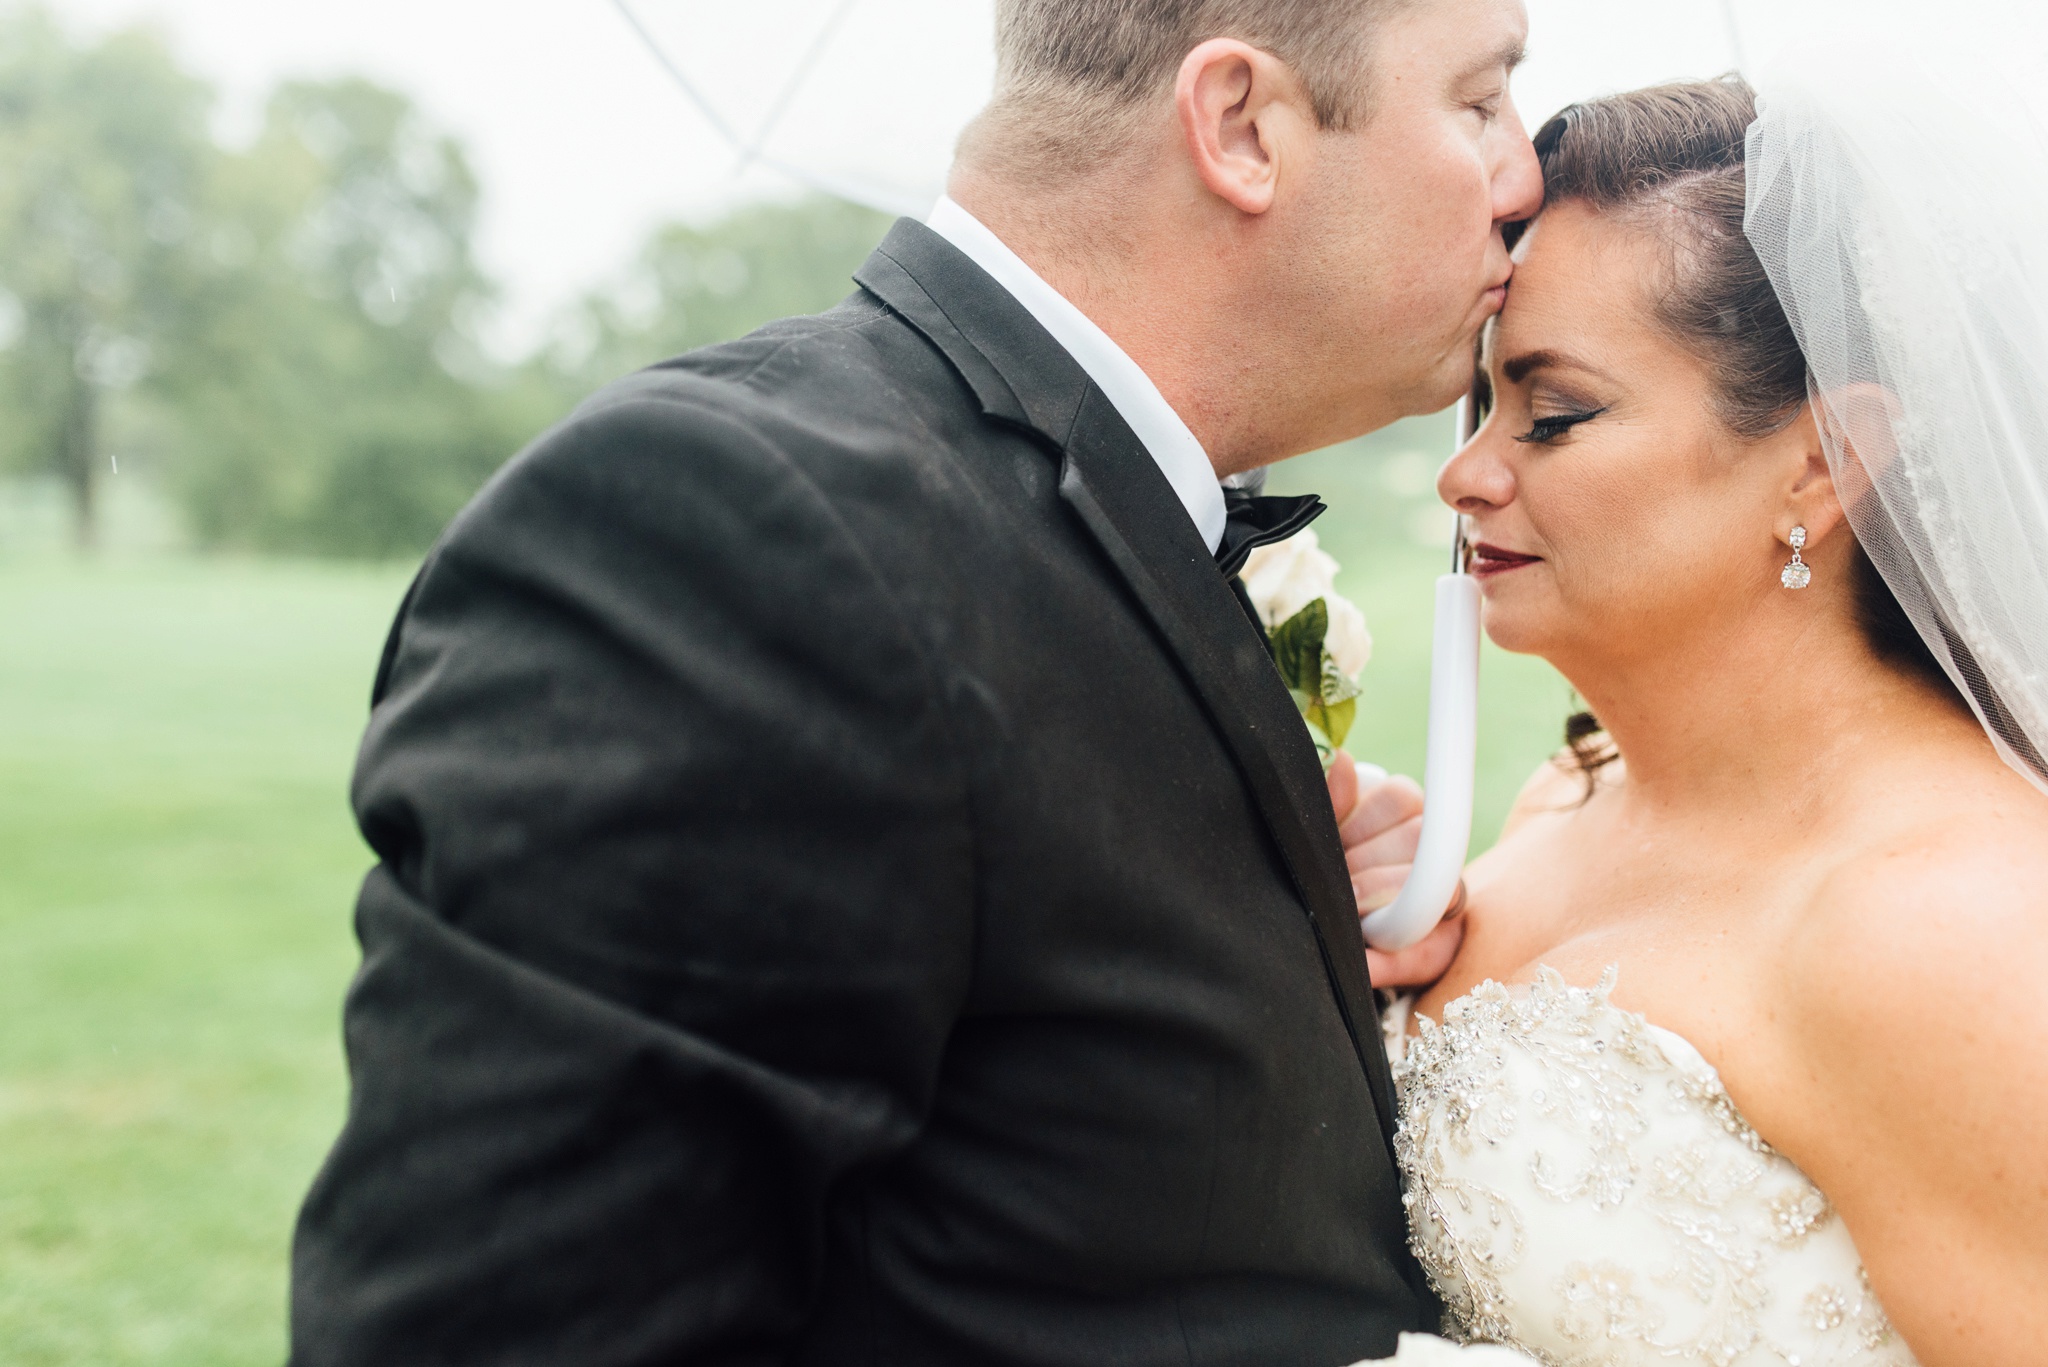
point(1899, 202)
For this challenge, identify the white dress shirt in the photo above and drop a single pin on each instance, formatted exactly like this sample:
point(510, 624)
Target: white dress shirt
point(1129, 389)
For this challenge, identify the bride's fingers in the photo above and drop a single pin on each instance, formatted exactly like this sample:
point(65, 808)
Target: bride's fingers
point(1382, 806)
point(1396, 845)
point(1418, 965)
point(1378, 886)
point(1342, 779)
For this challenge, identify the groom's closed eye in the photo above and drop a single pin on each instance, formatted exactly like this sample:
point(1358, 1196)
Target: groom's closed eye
point(1483, 86)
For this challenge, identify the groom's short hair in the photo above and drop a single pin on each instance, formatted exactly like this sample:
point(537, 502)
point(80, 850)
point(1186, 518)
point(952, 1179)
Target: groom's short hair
point(1067, 70)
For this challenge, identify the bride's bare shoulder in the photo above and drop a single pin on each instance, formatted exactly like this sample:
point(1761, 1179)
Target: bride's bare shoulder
point(1945, 900)
point(1911, 1012)
point(1935, 911)
point(1946, 870)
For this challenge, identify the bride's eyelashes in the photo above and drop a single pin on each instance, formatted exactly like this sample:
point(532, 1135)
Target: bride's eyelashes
point(1543, 431)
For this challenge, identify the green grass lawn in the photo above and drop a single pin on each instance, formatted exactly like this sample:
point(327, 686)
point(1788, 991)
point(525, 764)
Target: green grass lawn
point(177, 866)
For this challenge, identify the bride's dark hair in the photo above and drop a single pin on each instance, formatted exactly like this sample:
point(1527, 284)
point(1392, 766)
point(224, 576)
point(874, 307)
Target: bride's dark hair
point(1673, 157)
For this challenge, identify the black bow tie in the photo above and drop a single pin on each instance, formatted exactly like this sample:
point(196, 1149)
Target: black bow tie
point(1256, 521)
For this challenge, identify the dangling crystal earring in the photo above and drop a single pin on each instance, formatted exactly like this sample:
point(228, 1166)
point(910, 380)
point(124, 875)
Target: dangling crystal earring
point(1798, 574)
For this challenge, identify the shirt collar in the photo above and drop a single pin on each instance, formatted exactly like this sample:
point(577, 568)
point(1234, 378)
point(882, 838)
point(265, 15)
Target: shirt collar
point(1173, 448)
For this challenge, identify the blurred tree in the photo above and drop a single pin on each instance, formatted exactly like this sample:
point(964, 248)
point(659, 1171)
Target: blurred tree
point(344, 406)
point(291, 326)
point(104, 159)
point(692, 286)
point(331, 397)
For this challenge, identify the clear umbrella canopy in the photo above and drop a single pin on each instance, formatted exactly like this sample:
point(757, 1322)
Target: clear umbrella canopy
point(865, 98)
point(860, 98)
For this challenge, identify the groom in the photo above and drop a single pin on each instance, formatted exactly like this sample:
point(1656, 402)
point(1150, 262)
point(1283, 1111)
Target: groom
point(853, 888)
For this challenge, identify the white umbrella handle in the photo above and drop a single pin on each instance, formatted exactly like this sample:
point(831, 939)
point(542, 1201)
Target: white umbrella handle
point(1449, 778)
point(1451, 773)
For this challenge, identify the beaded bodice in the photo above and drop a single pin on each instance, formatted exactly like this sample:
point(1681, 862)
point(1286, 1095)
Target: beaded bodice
point(1581, 1187)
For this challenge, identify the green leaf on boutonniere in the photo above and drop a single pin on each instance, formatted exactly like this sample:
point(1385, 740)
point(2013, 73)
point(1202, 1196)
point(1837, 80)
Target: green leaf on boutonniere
point(1297, 647)
point(1325, 697)
point(1333, 720)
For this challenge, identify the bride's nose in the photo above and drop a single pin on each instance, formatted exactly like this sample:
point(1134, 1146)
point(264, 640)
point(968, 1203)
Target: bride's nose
point(1479, 477)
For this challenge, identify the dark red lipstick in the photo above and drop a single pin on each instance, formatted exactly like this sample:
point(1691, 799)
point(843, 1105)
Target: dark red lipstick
point(1489, 560)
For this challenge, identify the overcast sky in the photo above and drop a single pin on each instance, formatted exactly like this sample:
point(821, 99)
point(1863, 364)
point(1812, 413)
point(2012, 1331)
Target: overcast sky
point(583, 141)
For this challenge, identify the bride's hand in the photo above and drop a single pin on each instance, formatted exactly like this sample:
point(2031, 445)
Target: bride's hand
point(1381, 825)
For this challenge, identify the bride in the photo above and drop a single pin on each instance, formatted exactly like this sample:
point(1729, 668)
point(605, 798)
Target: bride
point(1744, 1058)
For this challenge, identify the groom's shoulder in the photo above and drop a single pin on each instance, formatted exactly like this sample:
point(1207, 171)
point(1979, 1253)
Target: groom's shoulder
point(858, 363)
point(853, 386)
point(850, 405)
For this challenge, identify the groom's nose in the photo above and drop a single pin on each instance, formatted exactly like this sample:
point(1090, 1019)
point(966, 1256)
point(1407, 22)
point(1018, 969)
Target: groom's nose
point(1517, 176)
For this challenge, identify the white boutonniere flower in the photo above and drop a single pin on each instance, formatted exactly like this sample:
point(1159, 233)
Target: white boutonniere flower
point(1317, 636)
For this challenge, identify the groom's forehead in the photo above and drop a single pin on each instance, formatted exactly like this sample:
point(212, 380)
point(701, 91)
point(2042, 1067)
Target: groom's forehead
point(1466, 38)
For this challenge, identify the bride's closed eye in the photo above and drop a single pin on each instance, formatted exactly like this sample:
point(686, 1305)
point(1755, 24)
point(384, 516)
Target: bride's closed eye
point(1543, 431)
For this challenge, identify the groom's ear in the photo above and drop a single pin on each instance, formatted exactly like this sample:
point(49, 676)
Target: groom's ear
point(1244, 116)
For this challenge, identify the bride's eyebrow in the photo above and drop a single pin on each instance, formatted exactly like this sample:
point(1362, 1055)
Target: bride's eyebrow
point(1520, 368)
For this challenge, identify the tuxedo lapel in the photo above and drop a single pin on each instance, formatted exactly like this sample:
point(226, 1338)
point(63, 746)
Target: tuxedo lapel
point(1023, 378)
point(1173, 575)
point(1020, 375)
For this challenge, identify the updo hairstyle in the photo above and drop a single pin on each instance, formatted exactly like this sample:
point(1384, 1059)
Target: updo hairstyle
point(1671, 158)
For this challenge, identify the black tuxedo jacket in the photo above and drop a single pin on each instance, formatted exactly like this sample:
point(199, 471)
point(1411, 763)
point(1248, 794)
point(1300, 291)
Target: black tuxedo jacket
point(853, 890)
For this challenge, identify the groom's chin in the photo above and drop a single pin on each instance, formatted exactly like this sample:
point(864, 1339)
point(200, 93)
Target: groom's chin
point(1451, 382)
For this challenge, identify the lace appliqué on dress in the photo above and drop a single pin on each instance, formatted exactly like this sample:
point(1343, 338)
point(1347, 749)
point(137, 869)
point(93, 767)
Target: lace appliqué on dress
point(1582, 1187)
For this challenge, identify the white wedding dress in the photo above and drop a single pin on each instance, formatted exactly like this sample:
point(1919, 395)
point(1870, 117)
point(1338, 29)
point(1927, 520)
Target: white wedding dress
point(1581, 1187)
